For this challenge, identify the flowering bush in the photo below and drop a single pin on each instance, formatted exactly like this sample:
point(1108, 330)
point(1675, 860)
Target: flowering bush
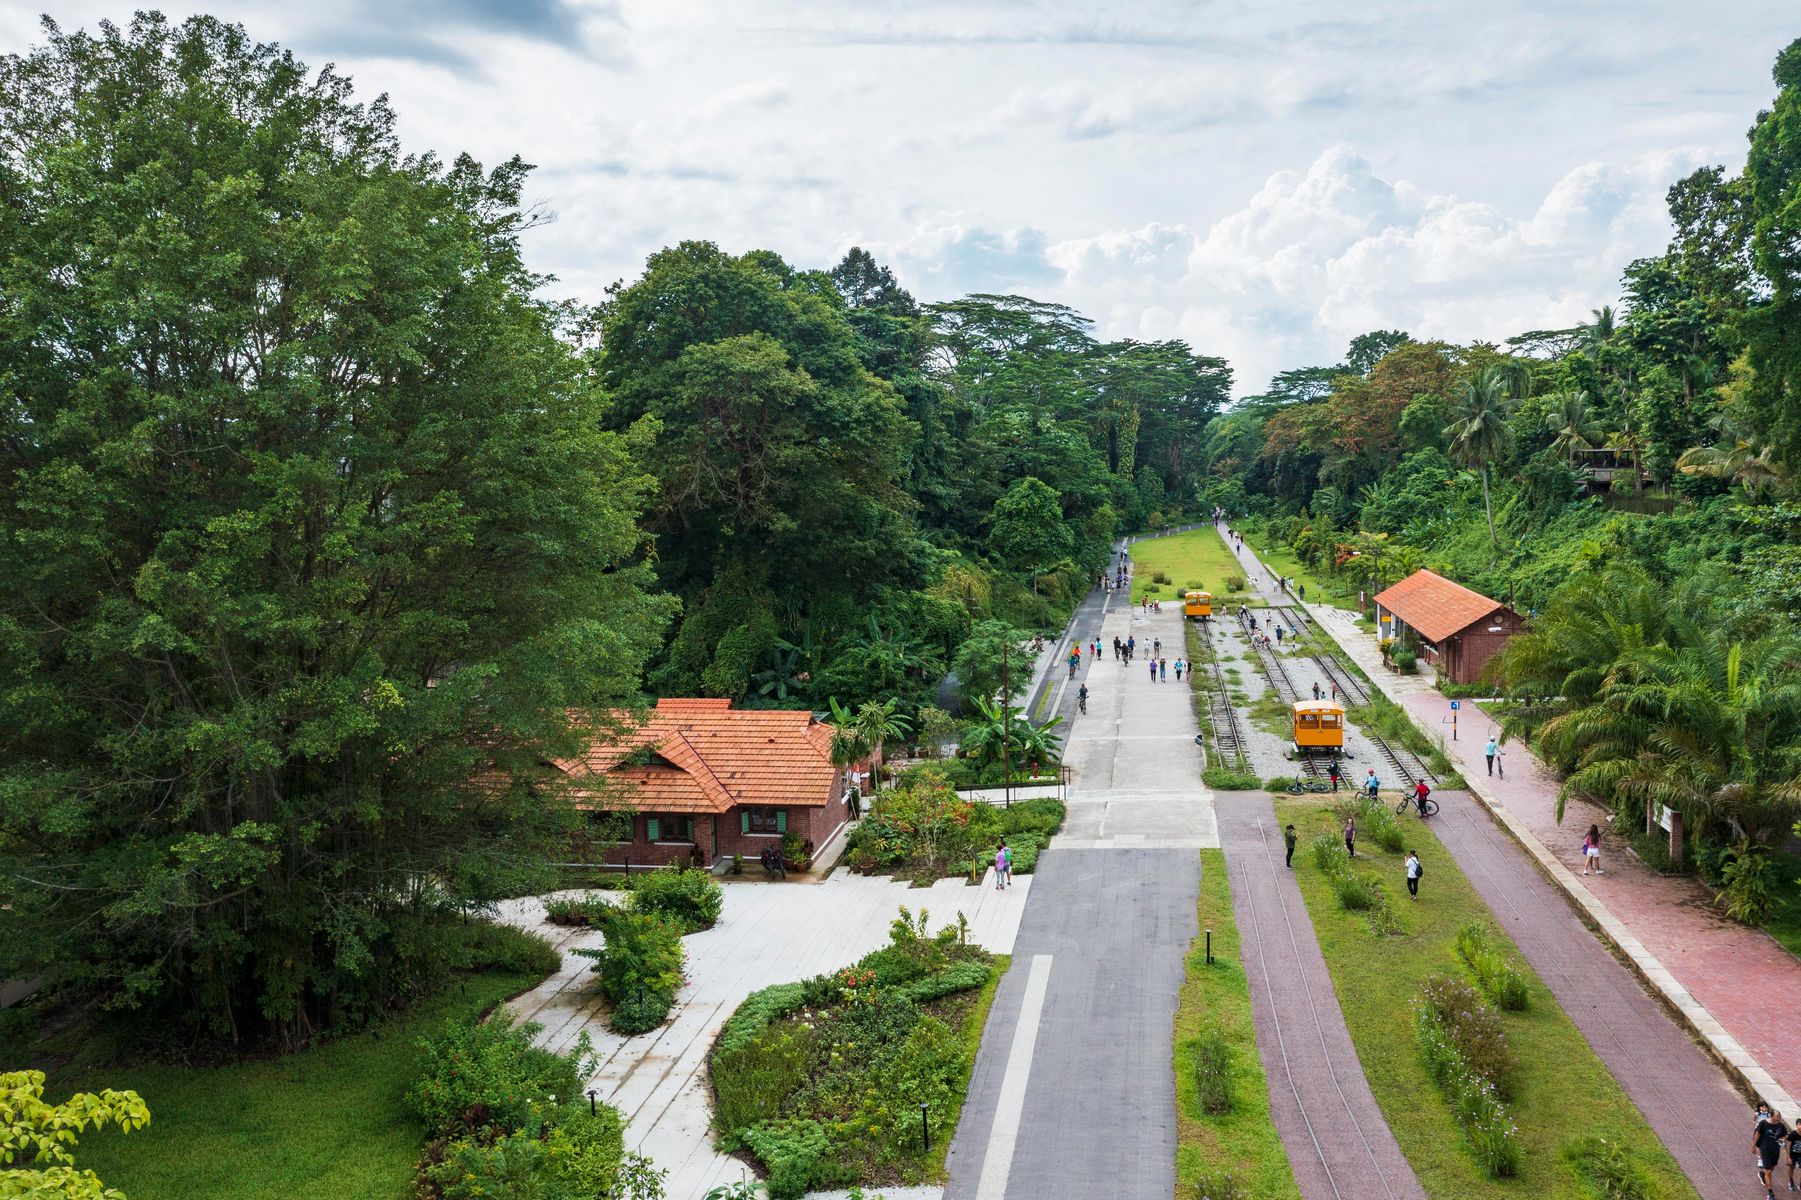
point(491, 1073)
point(1482, 1118)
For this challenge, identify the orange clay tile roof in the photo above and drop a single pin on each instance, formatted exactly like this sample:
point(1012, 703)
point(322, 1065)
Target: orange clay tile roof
point(1434, 606)
point(702, 755)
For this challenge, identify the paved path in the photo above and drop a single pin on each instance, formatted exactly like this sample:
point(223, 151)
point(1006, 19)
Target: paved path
point(1689, 1101)
point(1338, 1144)
point(1691, 1106)
point(1073, 1092)
point(768, 933)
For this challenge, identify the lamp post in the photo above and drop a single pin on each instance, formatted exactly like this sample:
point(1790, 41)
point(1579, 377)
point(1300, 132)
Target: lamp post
point(1006, 725)
point(925, 1130)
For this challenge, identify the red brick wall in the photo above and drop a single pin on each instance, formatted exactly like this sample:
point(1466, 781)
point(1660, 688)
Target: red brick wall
point(716, 838)
point(1475, 646)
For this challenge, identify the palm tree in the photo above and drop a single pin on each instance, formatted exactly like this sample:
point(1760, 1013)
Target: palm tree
point(1736, 459)
point(877, 723)
point(1024, 742)
point(1572, 419)
point(1478, 432)
point(848, 746)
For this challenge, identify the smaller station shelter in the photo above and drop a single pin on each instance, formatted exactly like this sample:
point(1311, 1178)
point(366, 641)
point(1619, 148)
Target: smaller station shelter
point(1455, 629)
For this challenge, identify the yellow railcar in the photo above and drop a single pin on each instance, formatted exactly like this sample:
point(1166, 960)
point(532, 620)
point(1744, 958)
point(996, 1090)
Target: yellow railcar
point(1318, 727)
point(1197, 604)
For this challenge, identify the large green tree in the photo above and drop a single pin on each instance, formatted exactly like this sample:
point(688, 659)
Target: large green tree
point(313, 540)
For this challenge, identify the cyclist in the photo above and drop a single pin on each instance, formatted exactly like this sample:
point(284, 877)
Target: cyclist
point(1420, 792)
point(1371, 784)
point(1082, 698)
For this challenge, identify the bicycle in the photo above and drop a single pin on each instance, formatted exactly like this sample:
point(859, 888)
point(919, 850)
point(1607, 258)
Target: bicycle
point(1301, 787)
point(1430, 806)
point(1082, 702)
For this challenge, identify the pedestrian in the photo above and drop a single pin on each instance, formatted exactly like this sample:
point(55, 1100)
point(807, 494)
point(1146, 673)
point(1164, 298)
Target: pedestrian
point(1131, 644)
point(1289, 839)
point(1591, 850)
point(1350, 836)
point(1157, 646)
point(1335, 689)
point(1767, 1141)
point(1278, 635)
point(1371, 784)
point(1303, 593)
point(1493, 748)
point(1414, 871)
point(1178, 670)
point(1794, 1156)
point(1003, 866)
point(1163, 668)
point(1420, 791)
point(1153, 665)
point(1332, 771)
point(1316, 691)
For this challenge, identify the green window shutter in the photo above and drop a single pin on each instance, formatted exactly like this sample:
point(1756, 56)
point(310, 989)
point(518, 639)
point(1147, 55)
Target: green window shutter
point(744, 820)
point(781, 820)
point(653, 828)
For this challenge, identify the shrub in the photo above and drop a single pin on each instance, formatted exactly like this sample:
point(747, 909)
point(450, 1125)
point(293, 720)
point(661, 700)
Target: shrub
point(1220, 1185)
point(1041, 815)
point(757, 1011)
point(1404, 661)
point(1504, 986)
point(792, 1151)
point(493, 947)
point(575, 910)
point(1474, 1028)
point(1235, 583)
point(752, 1081)
point(576, 1155)
point(640, 967)
point(1356, 892)
point(1329, 854)
point(491, 1074)
point(1024, 848)
point(1481, 1117)
point(1159, 576)
point(958, 977)
point(691, 898)
point(1375, 820)
point(1750, 893)
point(1213, 1071)
point(1607, 1167)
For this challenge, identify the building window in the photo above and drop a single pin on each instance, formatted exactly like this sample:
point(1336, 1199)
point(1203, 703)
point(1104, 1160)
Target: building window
point(763, 820)
point(669, 829)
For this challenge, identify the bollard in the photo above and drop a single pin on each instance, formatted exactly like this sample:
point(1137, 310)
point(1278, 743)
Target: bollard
point(591, 1109)
point(925, 1130)
point(1210, 945)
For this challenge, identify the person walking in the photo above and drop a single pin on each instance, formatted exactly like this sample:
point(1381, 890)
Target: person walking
point(1591, 851)
point(1316, 691)
point(1153, 665)
point(1157, 647)
point(1178, 670)
point(1003, 866)
point(1332, 772)
point(1493, 748)
point(1289, 839)
point(1278, 635)
point(1794, 1156)
point(1163, 669)
point(1350, 836)
point(1131, 645)
point(1767, 1141)
point(1414, 871)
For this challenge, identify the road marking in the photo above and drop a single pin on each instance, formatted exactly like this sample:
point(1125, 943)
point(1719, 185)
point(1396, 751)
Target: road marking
point(997, 1163)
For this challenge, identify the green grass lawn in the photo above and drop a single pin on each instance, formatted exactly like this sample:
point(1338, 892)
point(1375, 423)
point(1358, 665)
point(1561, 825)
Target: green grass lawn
point(327, 1124)
point(1243, 1141)
point(1562, 1088)
point(1330, 589)
point(1198, 558)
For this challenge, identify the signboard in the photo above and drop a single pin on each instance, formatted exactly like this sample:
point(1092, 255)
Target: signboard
point(1456, 704)
point(1663, 817)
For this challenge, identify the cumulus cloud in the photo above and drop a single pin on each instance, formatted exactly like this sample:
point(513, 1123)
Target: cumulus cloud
point(1321, 254)
point(953, 259)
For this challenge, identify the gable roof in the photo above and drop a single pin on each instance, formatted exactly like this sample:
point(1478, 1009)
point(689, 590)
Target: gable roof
point(703, 755)
point(1435, 606)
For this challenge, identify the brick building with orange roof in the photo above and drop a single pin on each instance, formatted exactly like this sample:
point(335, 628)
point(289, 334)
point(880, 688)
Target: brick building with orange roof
point(1455, 629)
point(704, 781)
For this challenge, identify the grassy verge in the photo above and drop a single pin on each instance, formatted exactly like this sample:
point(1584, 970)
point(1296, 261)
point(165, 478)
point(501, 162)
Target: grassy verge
point(1326, 589)
point(1242, 1141)
point(326, 1124)
point(1197, 559)
point(1562, 1088)
point(945, 1123)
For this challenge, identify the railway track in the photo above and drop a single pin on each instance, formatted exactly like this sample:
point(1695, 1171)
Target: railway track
point(1409, 767)
point(1228, 738)
point(1277, 674)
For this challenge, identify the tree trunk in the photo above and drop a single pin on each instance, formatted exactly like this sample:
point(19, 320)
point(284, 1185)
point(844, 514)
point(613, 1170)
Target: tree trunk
point(1488, 508)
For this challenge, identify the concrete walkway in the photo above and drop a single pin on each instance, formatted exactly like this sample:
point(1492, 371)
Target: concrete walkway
point(768, 933)
point(1073, 1093)
point(1338, 1144)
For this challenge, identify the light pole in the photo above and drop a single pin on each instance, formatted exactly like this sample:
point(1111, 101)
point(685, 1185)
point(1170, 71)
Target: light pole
point(1006, 724)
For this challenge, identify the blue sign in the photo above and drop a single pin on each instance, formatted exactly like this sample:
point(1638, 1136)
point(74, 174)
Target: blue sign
point(1455, 705)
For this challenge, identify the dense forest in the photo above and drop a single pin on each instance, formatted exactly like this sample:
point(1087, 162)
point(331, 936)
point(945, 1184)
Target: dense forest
point(325, 529)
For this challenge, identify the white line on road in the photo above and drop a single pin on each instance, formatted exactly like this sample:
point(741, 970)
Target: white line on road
point(997, 1163)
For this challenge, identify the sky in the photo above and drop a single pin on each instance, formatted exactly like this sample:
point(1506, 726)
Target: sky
point(1262, 178)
